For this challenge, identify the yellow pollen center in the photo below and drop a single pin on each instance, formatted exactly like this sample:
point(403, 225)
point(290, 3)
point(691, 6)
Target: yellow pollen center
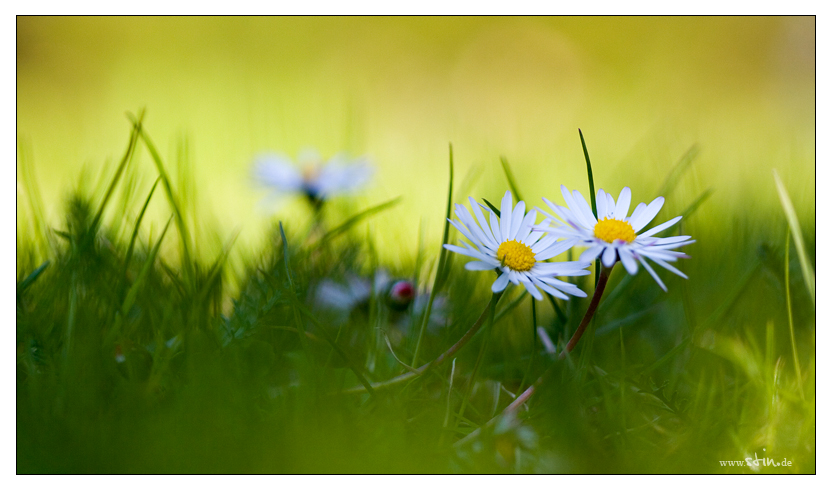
point(516, 255)
point(610, 229)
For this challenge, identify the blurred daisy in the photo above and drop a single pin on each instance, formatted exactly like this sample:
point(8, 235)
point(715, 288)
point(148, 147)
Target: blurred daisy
point(615, 236)
point(509, 245)
point(312, 177)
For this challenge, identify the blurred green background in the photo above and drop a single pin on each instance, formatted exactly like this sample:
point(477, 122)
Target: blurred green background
point(399, 89)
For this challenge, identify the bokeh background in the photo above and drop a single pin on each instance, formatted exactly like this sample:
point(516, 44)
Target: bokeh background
point(221, 90)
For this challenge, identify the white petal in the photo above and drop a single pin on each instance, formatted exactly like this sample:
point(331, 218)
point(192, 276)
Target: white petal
point(472, 225)
point(526, 227)
point(627, 260)
point(652, 273)
point(495, 228)
point(592, 253)
point(551, 290)
point(500, 283)
point(464, 231)
point(517, 219)
point(555, 249)
point(648, 214)
point(584, 208)
point(601, 203)
point(659, 228)
point(636, 213)
point(577, 216)
point(622, 207)
point(480, 266)
point(532, 290)
point(670, 268)
point(277, 172)
point(505, 216)
point(535, 233)
point(608, 258)
point(482, 221)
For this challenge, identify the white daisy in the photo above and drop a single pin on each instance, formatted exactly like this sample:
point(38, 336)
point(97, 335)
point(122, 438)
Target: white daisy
point(509, 245)
point(615, 236)
point(312, 177)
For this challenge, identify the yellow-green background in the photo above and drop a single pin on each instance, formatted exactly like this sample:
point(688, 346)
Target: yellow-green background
point(642, 89)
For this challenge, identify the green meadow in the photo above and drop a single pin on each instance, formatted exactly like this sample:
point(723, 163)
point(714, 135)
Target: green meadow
point(172, 317)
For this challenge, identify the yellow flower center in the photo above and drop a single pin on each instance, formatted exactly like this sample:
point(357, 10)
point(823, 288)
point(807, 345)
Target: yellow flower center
point(609, 229)
point(516, 255)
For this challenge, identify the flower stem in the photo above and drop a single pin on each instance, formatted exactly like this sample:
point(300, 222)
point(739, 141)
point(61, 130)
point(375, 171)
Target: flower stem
point(440, 359)
point(590, 311)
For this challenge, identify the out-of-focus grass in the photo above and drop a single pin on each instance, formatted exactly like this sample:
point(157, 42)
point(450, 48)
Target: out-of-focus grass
point(214, 377)
point(132, 362)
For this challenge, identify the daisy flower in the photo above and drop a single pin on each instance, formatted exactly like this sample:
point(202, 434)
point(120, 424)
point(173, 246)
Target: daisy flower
point(509, 245)
point(615, 236)
point(312, 177)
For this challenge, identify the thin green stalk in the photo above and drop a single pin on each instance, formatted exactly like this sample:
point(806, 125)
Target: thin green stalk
point(534, 346)
point(483, 348)
point(295, 312)
point(136, 229)
point(512, 183)
point(791, 323)
point(794, 225)
point(438, 360)
point(128, 156)
point(441, 266)
point(591, 194)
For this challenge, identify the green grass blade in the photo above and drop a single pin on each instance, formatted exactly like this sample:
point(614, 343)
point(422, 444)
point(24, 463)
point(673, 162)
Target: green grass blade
point(493, 208)
point(678, 171)
point(512, 183)
point(355, 219)
point(442, 265)
point(217, 268)
point(177, 210)
point(27, 282)
point(350, 364)
point(295, 311)
point(128, 156)
point(791, 323)
point(794, 225)
point(148, 263)
point(136, 228)
point(32, 190)
point(591, 197)
point(589, 176)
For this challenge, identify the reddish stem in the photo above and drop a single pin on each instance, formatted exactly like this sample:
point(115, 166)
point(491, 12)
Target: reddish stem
point(590, 311)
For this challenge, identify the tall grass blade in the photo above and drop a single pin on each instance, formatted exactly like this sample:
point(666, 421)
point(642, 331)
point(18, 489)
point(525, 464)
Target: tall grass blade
point(791, 323)
point(589, 176)
point(493, 208)
point(512, 183)
point(355, 219)
point(148, 264)
point(177, 210)
point(591, 197)
point(678, 171)
point(794, 225)
point(292, 295)
point(135, 234)
point(30, 187)
point(27, 282)
point(128, 156)
point(441, 267)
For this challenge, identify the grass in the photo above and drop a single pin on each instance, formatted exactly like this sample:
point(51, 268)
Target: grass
point(136, 354)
